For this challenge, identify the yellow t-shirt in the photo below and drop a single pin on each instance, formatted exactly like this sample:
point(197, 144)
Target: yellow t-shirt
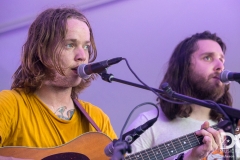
point(26, 121)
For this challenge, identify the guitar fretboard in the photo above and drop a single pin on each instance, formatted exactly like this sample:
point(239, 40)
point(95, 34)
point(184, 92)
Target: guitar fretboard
point(168, 149)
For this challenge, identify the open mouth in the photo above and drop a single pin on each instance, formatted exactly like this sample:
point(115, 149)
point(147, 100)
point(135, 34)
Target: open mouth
point(75, 70)
point(216, 77)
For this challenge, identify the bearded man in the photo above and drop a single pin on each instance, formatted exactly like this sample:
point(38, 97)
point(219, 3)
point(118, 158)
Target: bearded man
point(193, 70)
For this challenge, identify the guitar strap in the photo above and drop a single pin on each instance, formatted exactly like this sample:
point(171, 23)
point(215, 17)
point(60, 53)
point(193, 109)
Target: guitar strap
point(86, 115)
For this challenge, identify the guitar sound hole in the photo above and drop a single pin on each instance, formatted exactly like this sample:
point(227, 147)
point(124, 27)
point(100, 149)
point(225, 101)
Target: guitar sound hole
point(67, 156)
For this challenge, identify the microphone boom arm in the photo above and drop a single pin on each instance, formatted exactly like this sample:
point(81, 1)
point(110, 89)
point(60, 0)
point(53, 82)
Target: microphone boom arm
point(231, 112)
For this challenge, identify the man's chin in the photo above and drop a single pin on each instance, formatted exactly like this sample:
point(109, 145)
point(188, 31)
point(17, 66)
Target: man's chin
point(217, 93)
point(217, 84)
point(74, 84)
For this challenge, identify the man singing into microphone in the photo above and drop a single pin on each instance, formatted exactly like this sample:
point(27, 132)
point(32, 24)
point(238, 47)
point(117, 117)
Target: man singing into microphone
point(41, 109)
point(193, 70)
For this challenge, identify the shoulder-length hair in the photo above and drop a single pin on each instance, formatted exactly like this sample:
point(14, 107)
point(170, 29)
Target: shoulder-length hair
point(178, 72)
point(45, 36)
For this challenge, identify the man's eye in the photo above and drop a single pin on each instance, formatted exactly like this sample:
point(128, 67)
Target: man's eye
point(70, 45)
point(86, 47)
point(208, 58)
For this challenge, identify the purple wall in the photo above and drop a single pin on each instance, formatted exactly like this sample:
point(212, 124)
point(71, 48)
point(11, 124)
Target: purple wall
point(143, 31)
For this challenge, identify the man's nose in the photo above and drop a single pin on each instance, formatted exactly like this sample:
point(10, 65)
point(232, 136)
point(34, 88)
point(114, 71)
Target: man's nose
point(219, 66)
point(81, 54)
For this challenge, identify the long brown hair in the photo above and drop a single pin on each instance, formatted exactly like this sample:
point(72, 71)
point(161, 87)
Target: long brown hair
point(45, 35)
point(177, 75)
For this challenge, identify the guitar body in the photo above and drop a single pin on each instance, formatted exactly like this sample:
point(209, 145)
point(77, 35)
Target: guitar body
point(88, 146)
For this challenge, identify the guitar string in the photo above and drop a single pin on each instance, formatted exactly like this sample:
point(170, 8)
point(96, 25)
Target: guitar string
point(192, 138)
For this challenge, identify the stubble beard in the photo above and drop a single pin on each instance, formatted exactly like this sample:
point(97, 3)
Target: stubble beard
point(60, 81)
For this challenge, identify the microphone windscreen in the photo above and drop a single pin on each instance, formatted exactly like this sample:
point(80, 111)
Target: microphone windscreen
point(81, 72)
point(224, 76)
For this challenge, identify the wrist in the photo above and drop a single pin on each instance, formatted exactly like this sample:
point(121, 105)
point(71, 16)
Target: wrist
point(190, 156)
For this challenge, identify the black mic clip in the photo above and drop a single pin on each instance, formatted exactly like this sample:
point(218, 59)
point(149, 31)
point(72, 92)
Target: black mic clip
point(120, 147)
point(133, 135)
point(105, 76)
point(126, 139)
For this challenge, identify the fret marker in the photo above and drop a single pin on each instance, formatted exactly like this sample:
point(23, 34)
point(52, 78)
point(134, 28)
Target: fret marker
point(184, 142)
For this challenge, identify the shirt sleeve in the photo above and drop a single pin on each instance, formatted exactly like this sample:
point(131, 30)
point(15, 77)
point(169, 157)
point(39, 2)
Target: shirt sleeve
point(7, 104)
point(100, 118)
point(108, 129)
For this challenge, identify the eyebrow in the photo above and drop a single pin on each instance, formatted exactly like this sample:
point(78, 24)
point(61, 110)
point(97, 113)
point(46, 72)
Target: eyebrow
point(75, 40)
point(212, 53)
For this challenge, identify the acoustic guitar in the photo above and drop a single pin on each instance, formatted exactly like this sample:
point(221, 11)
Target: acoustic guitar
point(90, 146)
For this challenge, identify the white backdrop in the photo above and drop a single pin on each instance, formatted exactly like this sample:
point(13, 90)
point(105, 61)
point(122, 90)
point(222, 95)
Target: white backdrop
point(145, 32)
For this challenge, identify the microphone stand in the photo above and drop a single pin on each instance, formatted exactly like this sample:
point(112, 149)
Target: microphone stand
point(227, 111)
point(231, 112)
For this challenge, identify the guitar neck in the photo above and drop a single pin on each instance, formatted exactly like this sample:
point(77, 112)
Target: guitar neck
point(168, 149)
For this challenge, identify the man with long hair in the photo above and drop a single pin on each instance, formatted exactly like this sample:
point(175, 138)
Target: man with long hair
point(40, 109)
point(193, 70)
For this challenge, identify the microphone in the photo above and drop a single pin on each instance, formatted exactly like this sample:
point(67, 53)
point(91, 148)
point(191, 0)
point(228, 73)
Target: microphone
point(85, 70)
point(129, 137)
point(227, 76)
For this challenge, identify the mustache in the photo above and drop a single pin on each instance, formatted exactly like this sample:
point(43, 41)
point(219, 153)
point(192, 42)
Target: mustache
point(214, 75)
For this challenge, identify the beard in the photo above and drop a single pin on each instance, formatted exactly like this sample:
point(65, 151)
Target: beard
point(205, 88)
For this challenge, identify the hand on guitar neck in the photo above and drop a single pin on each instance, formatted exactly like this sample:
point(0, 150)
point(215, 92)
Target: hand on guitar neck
point(211, 141)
